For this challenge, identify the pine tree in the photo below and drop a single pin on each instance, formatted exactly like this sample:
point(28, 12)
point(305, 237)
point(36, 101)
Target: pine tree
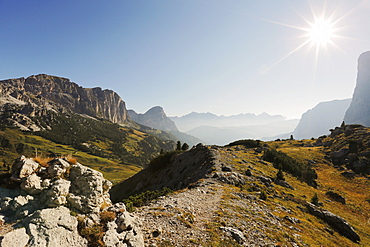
point(315, 200)
point(178, 145)
point(185, 147)
point(280, 174)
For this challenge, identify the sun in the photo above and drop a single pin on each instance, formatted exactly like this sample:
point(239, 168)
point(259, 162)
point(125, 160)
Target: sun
point(321, 32)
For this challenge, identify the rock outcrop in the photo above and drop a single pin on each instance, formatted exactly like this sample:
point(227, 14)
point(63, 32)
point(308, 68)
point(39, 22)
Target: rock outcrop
point(359, 110)
point(39, 94)
point(339, 224)
point(56, 203)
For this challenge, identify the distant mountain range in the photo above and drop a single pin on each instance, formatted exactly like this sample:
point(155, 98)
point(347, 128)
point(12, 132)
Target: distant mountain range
point(156, 118)
point(221, 130)
point(194, 120)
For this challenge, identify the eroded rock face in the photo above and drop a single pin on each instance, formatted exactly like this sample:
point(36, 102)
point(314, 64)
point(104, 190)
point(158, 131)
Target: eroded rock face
point(46, 198)
point(39, 94)
point(359, 110)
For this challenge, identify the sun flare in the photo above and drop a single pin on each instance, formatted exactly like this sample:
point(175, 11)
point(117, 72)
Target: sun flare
point(321, 32)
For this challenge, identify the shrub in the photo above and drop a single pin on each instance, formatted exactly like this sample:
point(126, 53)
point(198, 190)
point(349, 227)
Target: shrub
point(184, 147)
point(302, 171)
point(107, 216)
point(263, 195)
point(248, 143)
point(144, 198)
point(162, 161)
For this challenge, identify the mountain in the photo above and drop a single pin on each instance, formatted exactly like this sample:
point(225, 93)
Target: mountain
point(194, 119)
point(359, 110)
point(69, 118)
point(156, 118)
point(318, 120)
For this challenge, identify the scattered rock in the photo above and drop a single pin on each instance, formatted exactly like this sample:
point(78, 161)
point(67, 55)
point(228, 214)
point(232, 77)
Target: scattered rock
point(337, 223)
point(292, 219)
point(336, 197)
point(226, 169)
point(283, 184)
point(233, 178)
point(349, 175)
point(234, 233)
point(266, 181)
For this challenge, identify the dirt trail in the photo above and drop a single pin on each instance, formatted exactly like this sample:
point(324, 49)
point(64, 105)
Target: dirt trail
point(180, 219)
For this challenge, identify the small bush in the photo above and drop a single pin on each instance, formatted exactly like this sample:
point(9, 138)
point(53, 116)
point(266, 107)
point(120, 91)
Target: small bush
point(263, 195)
point(248, 143)
point(144, 198)
point(42, 160)
point(94, 235)
point(162, 161)
point(70, 159)
point(107, 216)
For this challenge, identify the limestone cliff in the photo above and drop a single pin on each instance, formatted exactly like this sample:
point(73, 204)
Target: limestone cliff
point(38, 94)
point(359, 110)
point(318, 120)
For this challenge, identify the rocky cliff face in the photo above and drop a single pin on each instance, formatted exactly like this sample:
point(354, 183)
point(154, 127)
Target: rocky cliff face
point(155, 118)
point(321, 118)
point(35, 95)
point(359, 110)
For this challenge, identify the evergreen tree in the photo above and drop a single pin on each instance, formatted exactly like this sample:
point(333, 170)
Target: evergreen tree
point(280, 174)
point(185, 147)
point(315, 200)
point(178, 145)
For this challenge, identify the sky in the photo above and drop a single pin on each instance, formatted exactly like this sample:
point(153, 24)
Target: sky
point(219, 56)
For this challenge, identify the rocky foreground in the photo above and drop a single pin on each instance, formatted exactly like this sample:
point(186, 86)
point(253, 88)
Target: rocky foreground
point(63, 203)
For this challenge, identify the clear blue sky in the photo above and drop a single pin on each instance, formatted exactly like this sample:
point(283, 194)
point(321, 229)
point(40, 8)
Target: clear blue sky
point(214, 56)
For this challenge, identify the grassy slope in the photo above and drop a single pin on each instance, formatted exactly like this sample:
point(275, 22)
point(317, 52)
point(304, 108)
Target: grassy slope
point(312, 230)
point(112, 169)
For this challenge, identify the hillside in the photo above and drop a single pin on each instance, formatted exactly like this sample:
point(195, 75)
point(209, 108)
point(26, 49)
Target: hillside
point(230, 196)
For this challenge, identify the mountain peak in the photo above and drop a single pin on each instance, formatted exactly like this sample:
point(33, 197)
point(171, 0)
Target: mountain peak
point(156, 110)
